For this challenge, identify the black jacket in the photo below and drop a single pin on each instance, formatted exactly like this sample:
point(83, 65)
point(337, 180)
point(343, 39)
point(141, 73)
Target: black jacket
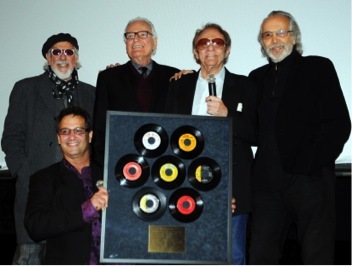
point(54, 214)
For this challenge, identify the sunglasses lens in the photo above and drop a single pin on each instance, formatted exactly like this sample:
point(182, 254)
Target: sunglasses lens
point(218, 42)
point(69, 52)
point(56, 52)
point(203, 43)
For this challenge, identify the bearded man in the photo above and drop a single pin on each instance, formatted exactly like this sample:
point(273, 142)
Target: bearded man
point(303, 126)
point(29, 139)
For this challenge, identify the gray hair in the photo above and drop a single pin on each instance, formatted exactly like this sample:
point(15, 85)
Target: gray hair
point(145, 20)
point(78, 64)
point(293, 26)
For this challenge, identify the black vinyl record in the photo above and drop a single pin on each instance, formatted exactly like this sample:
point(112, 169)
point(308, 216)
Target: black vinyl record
point(187, 142)
point(132, 170)
point(149, 203)
point(151, 140)
point(168, 172)
point(185, 205)
point(204, 173)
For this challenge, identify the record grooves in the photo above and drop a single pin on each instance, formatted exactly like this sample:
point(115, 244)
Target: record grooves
point(151, 140)
point(187, 142)
point(132, 170)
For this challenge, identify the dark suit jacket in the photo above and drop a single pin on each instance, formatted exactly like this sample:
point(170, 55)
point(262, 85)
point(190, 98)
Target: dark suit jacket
point(115, 92)
point(29, 138)
point(54, 214)
point(312, 123)
point(237, 89)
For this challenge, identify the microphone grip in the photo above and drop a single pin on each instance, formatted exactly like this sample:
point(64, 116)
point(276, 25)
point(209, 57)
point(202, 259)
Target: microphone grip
point(212, 88)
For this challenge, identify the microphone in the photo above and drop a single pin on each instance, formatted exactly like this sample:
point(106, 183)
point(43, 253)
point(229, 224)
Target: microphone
point(211, 85)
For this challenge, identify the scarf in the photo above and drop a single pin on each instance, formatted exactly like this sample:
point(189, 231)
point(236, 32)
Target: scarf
point(64, 87)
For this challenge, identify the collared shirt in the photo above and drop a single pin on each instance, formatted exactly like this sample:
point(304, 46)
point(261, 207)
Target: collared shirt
point(90, 215)
point(138, 67)
point(202, 92)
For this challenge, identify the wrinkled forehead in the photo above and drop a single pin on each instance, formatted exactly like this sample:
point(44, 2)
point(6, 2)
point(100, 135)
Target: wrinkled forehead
point(138, 26)
point(274, 23)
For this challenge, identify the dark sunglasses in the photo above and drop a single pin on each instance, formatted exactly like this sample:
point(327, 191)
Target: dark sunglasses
point(205, 42)
point(58, 52)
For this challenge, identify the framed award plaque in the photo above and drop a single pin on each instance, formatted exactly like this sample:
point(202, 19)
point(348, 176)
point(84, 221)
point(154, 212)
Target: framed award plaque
point(169, 183)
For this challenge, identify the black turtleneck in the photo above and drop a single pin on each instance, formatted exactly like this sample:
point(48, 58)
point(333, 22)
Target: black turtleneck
point(269, 168)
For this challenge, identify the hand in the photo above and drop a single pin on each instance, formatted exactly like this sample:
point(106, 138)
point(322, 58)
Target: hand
point(100, 199)
point(233, 205)
point(179, 74)
point(111, 66)
point(215, 106)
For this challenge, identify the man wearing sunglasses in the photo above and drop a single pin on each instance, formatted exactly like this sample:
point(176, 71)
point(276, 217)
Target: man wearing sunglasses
point(29, 139)
point(235, 98)
point(303, 126)
point(139, 85)
point(65, 200)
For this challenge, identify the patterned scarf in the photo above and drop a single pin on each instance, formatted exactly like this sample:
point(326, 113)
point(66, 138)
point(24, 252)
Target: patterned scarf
point(64, 87)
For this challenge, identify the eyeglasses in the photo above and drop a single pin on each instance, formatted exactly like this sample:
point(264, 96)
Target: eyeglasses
point(76, 131)
point(58, 52)
point(279, 33)
point(205, 43)
point(141, 34)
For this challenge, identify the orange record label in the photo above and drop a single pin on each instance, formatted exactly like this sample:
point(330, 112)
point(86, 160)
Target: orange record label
point(187, 142)
point(132, 171)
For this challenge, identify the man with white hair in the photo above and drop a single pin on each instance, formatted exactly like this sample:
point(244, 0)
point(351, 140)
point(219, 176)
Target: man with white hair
point(140, 85)
point(29, 139)
point(303, 126)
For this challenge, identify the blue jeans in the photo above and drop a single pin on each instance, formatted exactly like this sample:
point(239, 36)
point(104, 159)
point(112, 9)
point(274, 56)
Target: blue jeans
point(239, 237)
point(29, 254)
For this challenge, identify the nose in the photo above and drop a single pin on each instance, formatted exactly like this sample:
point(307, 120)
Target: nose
point(211, 46)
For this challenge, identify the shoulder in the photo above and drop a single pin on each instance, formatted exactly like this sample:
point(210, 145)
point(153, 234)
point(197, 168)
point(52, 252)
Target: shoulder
point(48, 172)
point(239, 79)
point(32, 80)
point(314, 60)
point(164, 68)
point(86, 86)
point(114, 71)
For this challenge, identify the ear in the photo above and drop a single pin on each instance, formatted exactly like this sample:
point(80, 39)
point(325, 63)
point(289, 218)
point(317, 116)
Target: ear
point(58, 139)
point(155, 44)
point(195, 52)
point(227, 53)
point(90, 136)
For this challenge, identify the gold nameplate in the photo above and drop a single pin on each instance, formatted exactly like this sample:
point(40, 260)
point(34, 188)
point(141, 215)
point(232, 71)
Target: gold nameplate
point(166, 239)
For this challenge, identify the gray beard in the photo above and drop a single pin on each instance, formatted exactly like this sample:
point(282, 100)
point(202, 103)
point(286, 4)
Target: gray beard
point(287, 51)
point(60, 75)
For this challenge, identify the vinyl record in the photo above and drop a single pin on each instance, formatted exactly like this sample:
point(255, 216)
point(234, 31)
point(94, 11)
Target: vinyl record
point(132, 170)
point(168, 172)
point(151, 140)
point(149, 203)
point(204, 173)
point(185, 205)
point(187, 142)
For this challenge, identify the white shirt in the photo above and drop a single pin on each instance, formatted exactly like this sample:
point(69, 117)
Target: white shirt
point(202, 91)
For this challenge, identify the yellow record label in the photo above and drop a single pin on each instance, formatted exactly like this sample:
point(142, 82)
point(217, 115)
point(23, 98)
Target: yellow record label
point(204, 174)
point(187, 142)
point(168, 172)
point(149, 203)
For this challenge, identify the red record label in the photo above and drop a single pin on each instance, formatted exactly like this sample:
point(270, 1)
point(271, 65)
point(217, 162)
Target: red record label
point(132, 171)
point(186, 205)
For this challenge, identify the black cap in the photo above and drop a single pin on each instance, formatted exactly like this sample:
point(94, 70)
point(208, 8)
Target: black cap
point(61, 37)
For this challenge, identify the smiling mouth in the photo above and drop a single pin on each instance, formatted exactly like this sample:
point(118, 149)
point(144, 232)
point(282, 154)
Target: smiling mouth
point(137, 46)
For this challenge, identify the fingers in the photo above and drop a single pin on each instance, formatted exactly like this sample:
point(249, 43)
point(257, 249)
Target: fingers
point(100, 199)
point(233, 205)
